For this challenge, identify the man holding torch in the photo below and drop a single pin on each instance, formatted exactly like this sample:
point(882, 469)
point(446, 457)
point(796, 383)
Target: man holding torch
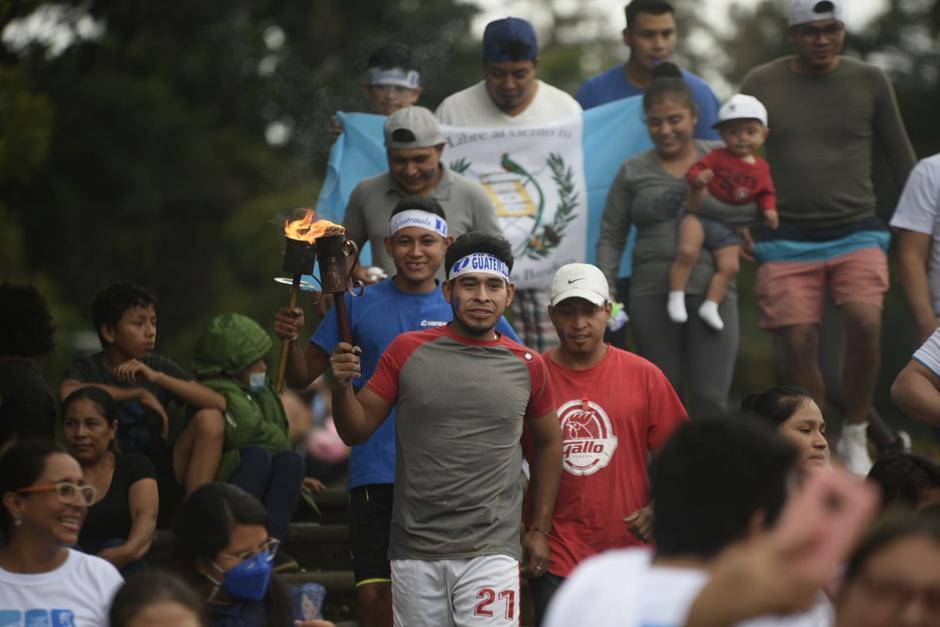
point(418, 236)
point(462, 393)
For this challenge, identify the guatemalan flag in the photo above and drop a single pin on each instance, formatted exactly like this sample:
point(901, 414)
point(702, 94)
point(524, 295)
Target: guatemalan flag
point(548, 183)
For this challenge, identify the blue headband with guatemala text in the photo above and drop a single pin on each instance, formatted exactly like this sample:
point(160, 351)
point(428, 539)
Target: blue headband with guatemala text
point(480, 263)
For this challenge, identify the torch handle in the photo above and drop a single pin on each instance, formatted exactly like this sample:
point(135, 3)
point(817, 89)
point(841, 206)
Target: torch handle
point(285, 343)
point(342, 317)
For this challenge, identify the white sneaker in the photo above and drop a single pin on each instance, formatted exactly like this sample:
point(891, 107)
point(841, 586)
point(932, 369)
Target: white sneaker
point(676, 307)
point(904, 439)
point(708, 312)
point(852, 448)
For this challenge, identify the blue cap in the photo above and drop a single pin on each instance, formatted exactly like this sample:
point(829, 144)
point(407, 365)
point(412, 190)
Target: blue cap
point(510, 39)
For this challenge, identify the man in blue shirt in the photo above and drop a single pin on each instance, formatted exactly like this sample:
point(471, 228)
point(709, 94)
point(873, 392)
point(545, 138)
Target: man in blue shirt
point(651, 36)
point(410, 301)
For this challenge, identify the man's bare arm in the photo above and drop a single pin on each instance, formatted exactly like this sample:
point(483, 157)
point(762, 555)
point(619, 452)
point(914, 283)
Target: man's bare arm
point(356, 416)
point(917, 392)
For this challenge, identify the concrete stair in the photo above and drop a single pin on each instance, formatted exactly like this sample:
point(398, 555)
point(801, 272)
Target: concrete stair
point(320, 544)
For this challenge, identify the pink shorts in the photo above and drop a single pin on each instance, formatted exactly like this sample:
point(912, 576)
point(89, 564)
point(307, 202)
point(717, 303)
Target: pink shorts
point(793, 292)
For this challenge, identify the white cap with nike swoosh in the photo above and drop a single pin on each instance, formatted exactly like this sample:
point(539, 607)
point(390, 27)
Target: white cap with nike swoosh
point(580, 280)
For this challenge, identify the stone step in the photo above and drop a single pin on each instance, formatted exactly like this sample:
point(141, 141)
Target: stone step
point(332, 505)
point(316, 546)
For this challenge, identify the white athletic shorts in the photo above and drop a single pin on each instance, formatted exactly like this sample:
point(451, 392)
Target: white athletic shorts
point(453, 593)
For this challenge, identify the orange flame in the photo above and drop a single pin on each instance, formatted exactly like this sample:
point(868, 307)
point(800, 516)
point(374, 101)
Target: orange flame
point(305, 229)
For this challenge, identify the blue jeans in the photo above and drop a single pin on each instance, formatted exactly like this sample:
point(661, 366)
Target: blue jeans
point(275, 480)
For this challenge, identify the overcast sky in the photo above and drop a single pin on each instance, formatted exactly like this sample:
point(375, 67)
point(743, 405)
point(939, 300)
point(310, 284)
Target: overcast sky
point(858, 12)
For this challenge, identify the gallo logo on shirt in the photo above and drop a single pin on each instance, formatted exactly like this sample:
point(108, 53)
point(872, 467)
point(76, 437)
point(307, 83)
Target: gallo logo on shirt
point(588, 442)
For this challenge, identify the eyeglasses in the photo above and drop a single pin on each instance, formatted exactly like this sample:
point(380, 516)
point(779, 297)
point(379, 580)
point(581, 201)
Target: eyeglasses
point(269, 547)
point(814, 33)
point(898, 594)
point(68, 493)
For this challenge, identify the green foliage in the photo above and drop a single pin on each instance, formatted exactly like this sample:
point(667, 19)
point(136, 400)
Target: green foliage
point(25, 125)
point(142, 154)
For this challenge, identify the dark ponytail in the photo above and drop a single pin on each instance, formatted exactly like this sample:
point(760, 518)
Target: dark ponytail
point(667, 82)
point(775, 405)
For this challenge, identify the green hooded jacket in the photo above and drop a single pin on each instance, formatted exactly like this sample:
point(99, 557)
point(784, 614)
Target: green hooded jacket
point(229, 345)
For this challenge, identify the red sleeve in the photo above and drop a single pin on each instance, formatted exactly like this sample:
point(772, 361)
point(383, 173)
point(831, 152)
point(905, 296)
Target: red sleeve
point(666, 412)
point(708, 162)
point(766, 195)
point(384, 381)
point(542, 400)
point(694, 171)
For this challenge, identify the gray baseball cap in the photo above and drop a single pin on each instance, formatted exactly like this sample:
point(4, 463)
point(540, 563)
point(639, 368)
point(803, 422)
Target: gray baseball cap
point(805, 11)
point(412, 127)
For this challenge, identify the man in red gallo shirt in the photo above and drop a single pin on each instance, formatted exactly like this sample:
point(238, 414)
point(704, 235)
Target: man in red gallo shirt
point(614, 408)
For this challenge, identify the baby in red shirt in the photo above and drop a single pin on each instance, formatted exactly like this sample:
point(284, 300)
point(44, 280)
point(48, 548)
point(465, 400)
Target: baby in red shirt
point(735, 175)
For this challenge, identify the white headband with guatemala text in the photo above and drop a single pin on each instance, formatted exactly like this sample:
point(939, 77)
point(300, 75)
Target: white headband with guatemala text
point(418, 218)
point(481, 263)
point(394, 76)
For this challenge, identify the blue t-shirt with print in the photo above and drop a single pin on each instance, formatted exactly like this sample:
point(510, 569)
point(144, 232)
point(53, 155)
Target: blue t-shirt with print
point(613, 85)
point(377, 317)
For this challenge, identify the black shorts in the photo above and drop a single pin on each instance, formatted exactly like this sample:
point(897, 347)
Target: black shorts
point(370, 517)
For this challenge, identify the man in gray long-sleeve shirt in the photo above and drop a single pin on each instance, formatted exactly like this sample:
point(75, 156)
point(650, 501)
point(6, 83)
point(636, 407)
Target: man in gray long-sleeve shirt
point(825, 110)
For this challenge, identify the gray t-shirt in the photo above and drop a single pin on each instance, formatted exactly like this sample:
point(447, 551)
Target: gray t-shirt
point(645, 195)
point(465, 204)
point(460, 406)
point(822, 130)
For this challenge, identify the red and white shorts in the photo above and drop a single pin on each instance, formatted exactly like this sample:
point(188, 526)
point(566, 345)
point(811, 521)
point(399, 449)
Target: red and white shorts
point(453, 593)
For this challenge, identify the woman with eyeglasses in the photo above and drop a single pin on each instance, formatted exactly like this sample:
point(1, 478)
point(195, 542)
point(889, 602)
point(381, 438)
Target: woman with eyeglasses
point(893, 577)
point(43, 581)
point(224, 551)
point(122, 519)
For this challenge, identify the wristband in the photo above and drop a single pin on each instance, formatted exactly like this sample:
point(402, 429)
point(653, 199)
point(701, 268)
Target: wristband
point(542, 531)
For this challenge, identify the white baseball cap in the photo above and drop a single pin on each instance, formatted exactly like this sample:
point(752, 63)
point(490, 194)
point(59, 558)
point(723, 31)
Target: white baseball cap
point(742, 107)
point(804, 11)
point(580, 280)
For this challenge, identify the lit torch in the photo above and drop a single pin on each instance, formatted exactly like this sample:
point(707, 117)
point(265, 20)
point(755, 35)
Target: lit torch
point(306, 238)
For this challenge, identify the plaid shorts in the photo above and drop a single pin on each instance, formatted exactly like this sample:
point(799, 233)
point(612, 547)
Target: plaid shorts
point(530, 319)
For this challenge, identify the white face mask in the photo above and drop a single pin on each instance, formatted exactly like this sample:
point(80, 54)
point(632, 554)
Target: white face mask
point(256, 380)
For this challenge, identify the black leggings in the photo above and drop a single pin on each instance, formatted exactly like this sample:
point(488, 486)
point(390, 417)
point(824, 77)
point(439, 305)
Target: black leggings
point(709, 355)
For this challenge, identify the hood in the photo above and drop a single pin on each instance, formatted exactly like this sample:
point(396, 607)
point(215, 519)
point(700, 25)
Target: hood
point(230, 343)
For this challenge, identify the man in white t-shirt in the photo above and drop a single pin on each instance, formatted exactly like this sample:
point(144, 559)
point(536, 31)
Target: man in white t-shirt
point(917, 219)
point(510, 95)
point(716, 482)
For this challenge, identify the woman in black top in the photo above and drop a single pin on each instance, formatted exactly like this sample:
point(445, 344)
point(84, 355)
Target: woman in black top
point(121, 522)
